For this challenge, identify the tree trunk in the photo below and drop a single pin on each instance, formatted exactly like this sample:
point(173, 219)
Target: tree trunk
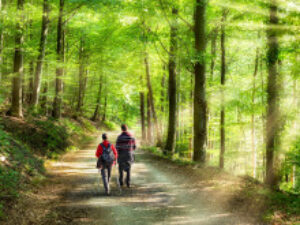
point(162, 93)
point(152, 106)
point(149, 123)
point(272, 123)
point(142, 111)
point(200, 84)
point(105, 109)
point(41, 56)
point(81, 76)
point(27, 95)
point(16, 106)
point(97, 109)
point(213, 53)
point(253, 147)
point(223, 73)
point(171, 139)
point(56, 113)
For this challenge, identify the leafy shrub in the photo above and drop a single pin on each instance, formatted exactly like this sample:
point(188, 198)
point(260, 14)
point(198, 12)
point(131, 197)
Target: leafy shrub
point(109, 125)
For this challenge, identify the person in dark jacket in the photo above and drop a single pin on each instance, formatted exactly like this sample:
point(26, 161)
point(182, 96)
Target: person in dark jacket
point(125, 147)
point(105, 167)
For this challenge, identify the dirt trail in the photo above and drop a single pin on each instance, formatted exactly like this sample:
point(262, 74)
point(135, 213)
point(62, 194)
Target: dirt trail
point(159, 195)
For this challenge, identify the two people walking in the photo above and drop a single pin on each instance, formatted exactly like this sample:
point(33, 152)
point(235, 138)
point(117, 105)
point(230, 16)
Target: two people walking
point(107, 156)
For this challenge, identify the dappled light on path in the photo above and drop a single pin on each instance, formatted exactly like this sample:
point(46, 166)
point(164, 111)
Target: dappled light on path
point(156, 197)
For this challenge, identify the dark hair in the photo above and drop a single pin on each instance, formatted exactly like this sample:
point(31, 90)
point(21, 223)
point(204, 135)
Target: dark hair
point(104, 136)
point(124, 127)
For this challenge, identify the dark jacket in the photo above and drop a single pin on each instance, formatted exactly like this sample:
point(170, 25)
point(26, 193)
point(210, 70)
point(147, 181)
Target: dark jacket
point(125, 147)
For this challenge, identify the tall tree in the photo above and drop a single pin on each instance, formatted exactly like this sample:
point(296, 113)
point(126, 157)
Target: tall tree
point(98, 101)
point(16, 106)
point(81, 75)
point(253, 147)
point(149, 122)
point(272, 123)
point(213, 51)
point(41, 56)
point(170, 144)
point(151, 100)
point(223, 73)
point(142, 113)
point(56, 113)
point(200, 104)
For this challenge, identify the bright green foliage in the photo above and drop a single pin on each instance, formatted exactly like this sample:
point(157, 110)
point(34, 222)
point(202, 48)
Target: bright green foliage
point(115, 36)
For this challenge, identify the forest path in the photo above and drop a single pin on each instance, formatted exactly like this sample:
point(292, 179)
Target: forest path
point(159, 195)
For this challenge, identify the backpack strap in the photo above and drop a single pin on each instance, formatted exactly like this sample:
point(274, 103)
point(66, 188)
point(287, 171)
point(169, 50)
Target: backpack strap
point(104, 148)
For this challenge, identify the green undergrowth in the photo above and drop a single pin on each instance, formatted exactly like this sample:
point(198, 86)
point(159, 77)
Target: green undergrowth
point(49, 137)
point(26, 144)
point(18, 168)
point(177, 158)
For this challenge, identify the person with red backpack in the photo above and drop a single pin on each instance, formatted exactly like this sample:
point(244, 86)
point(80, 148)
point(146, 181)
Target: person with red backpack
point(107, 156)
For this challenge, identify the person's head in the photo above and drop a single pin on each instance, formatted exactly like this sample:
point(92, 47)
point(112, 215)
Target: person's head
point(124, 127)
point(104, 136)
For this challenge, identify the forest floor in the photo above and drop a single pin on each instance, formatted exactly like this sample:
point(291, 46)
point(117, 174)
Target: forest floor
point(162, 193)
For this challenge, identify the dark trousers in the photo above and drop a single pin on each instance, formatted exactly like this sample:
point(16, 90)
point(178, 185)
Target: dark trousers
point(106, 173)
point(124, 168)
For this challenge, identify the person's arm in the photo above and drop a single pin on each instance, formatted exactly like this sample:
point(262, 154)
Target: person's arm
point(114, 151)
point(117, 144)
point(133, 144)
point(99, 151)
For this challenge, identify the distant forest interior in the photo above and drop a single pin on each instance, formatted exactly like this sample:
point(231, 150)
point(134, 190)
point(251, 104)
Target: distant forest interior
point(207, 83)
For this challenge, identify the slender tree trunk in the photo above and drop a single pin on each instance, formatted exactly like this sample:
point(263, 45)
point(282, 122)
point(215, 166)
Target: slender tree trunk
point(16, 106)
point(149, 122)
point(158, 133)
point(27, 95)
point(272, 123)
point(142, 112)
point(263, 116)
point(41, 56)
point(105, 109)
point(56, 113)
point(98, 102)
point(200, 104)
point(171, 139)
point(253, 147)
point(213, 53)
point(81, 76)
point(162, 93)
point(163, 100)
point(223, 73)
point(86, 74)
